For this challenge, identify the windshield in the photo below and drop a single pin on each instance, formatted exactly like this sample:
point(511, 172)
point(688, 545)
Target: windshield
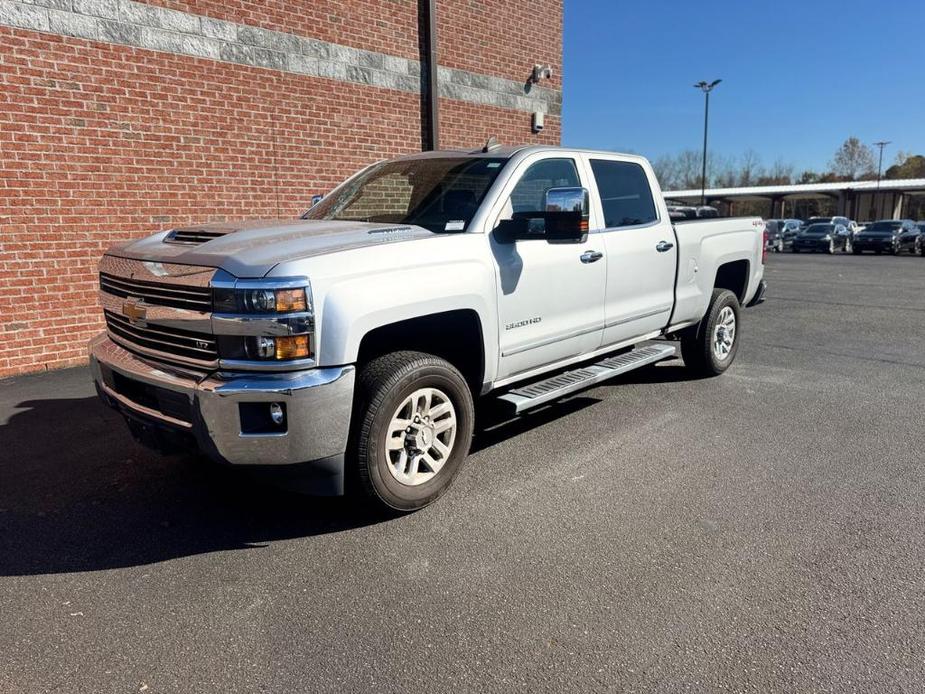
point(884, 226)
point(440, 194)
point(819, 229)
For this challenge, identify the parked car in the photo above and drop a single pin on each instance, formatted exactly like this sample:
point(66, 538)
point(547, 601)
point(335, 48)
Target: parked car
point(823, 237)
point(909, 239)
point(774, 241)
point(354, 341)
point(792, 227)
point(683, 212)
point(884, 236)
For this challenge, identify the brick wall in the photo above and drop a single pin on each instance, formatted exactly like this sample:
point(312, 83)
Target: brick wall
point(100, 142)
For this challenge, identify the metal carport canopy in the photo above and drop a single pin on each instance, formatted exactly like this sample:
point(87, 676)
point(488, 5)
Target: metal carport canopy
point(911, 185)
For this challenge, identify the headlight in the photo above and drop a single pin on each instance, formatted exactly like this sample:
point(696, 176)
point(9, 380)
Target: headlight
point(264, 320)
point(827, 237)
point(246, 300)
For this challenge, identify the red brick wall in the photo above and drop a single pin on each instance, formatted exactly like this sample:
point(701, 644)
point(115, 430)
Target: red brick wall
point(501, 37)
point(386, 26)
point(99, 143)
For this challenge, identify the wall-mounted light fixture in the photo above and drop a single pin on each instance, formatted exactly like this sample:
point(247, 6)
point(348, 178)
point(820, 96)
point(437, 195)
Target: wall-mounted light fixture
point(541, 72)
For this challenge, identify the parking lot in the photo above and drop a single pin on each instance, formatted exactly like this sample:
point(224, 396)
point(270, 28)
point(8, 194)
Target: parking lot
point(760, 531)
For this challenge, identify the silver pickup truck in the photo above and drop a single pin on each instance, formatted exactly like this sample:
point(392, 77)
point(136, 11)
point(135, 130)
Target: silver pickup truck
point(348, 347)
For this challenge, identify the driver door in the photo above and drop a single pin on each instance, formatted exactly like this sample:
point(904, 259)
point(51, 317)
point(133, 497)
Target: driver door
point(550, 295)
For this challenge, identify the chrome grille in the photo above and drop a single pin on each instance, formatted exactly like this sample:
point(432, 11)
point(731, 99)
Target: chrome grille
point(192, 236)
point(200, 348)
point(158, 293)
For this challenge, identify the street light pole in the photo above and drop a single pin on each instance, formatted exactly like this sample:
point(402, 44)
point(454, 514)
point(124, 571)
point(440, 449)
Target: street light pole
point(706, 88)
point(881, 145)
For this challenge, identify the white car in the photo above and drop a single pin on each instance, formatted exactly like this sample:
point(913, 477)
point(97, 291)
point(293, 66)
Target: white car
point(351, 345)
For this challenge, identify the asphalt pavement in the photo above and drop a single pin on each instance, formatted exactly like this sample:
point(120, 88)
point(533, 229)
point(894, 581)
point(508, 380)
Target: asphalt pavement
point(761, 531)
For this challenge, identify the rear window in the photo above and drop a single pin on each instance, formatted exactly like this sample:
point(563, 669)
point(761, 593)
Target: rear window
point(884, 226)
point(625, 193)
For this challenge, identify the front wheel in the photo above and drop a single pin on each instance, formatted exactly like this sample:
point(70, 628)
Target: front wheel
point(413, 420)
point(710, 347)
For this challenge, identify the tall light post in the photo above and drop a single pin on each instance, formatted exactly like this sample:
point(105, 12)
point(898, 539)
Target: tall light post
point(881, 145)
point(706, 88)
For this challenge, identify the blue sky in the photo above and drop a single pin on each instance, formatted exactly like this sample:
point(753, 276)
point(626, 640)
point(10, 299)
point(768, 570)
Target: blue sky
point(798, 77)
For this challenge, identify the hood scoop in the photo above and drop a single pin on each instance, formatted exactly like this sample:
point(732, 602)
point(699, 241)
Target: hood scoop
point(194, 237)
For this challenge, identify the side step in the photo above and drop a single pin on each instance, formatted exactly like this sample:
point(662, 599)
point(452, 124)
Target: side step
point(562, 384)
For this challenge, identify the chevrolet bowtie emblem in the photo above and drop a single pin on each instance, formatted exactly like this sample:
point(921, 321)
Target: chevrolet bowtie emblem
point(134, 310)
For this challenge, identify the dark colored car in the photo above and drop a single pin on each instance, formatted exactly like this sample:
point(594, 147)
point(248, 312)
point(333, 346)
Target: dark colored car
point(910, 239)
point(827, 238)
point(887, 236)
point(791, 229)
point(774, 241)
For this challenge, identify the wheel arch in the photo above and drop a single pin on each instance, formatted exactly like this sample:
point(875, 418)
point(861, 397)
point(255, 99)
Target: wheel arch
point(734, 276)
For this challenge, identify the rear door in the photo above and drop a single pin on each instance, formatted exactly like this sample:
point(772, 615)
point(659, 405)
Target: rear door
point(640, 247)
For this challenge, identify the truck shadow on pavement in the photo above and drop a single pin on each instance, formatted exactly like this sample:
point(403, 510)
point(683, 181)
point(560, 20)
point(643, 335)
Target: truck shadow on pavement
point(77, 493)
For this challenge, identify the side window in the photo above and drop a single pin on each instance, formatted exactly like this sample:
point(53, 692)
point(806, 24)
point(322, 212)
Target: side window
point(529, 195)
point(625, 193)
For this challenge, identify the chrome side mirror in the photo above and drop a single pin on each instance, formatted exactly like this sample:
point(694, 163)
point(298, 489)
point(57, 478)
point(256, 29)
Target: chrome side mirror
point(567, 211)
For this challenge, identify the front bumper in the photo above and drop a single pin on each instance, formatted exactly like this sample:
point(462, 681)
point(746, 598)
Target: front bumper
point(813, 245)
point(885, 245)
point(206, 410)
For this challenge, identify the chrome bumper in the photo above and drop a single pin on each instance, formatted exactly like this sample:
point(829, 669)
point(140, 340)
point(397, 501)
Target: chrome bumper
point(317, 401)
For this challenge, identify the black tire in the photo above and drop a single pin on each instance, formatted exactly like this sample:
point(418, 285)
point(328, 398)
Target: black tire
point(794, 249)
point(382, 386)
point(697, 341)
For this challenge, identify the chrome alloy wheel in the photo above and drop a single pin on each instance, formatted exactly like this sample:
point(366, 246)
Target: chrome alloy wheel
point(724, 334)
point(421, 436)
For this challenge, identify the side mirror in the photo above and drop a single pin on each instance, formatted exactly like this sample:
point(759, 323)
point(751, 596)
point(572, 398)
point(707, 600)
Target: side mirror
point(316, 199)
point(567, 211)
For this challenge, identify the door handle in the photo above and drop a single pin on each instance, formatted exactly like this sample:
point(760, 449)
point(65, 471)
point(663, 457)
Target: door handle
point(591, 256)
point(663, 246)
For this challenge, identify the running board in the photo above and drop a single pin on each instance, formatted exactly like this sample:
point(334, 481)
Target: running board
point(560, 385)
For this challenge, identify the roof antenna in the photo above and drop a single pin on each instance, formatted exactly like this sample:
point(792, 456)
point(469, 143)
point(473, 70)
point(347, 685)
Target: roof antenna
point(491, 144)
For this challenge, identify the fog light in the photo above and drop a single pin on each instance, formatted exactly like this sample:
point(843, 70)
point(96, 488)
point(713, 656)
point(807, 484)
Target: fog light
point(276, 413)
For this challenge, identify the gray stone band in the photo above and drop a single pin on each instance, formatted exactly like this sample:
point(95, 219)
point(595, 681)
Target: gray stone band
point(145, 26)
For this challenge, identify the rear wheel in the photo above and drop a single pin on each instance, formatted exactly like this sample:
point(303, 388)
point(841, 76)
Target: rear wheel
point(413, 420)
point(709, 348)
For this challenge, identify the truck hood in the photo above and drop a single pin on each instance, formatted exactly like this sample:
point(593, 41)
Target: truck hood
point(252, 248)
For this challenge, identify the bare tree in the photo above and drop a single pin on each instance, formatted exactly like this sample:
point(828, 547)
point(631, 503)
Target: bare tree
point(666, 171)
point(749, 168)
point(852, 159)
